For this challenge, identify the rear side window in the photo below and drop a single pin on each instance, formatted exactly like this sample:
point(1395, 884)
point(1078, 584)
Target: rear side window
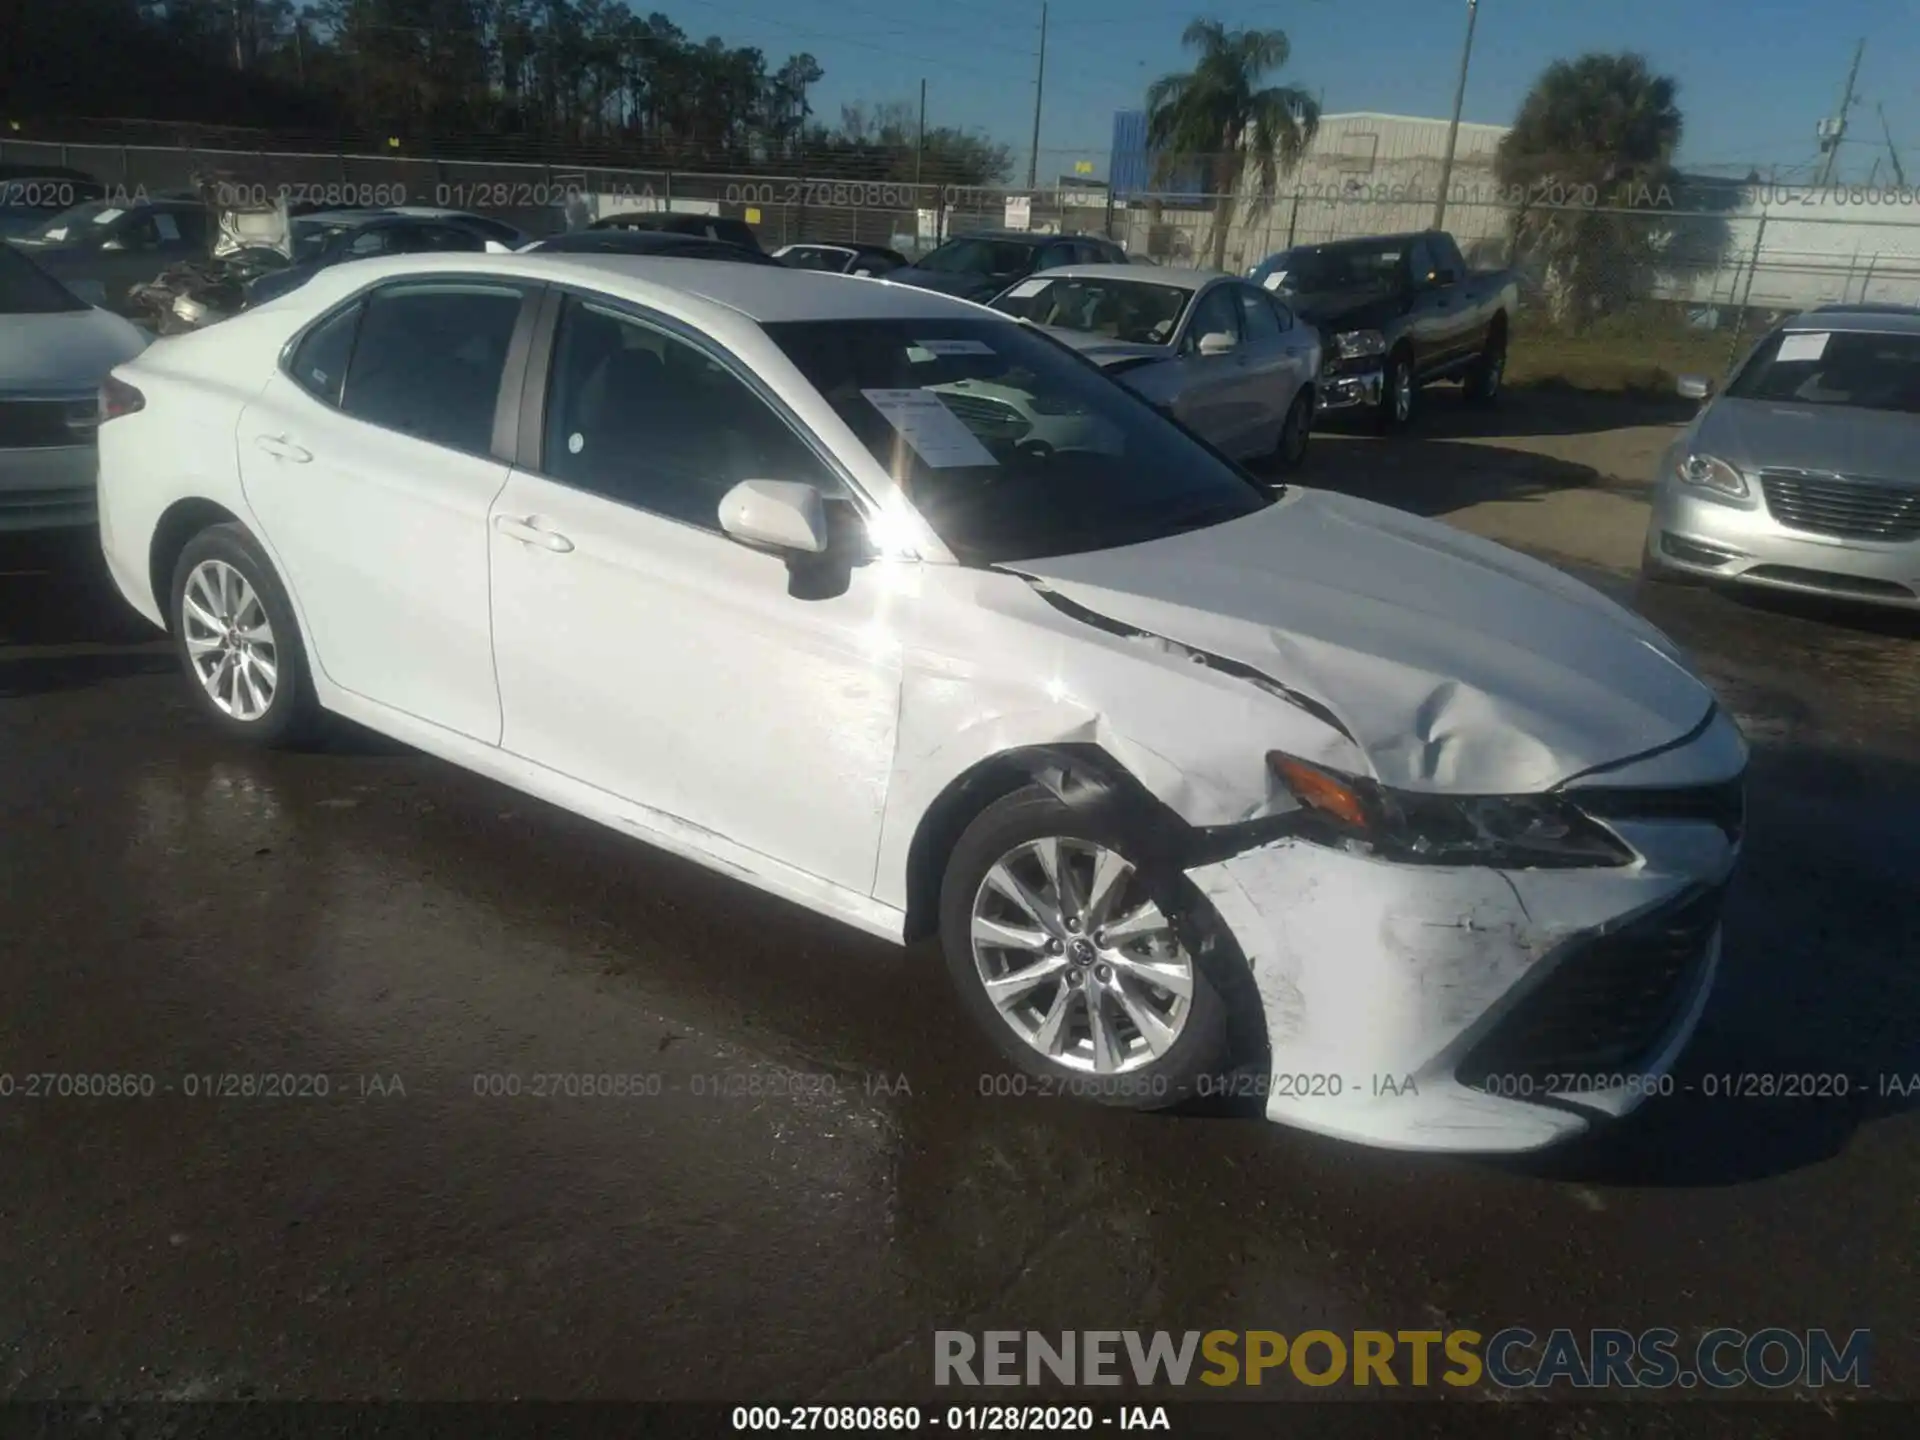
point(26, 289)
point(428, 361)
point(320, 364)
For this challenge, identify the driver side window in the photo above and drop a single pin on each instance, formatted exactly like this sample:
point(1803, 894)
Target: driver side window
point(1214, 314)
point(643, 417)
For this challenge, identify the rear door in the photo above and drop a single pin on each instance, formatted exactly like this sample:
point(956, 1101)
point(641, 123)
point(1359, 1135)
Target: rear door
point(370, 465)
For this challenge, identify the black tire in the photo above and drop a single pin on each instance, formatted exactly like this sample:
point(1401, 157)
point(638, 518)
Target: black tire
point(292, 715)
point(1489, 373)
point(1204, 1046)
point(1290, 450)
point(1399, 395)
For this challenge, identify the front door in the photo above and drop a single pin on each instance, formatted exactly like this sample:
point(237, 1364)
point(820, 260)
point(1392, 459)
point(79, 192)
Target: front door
point(368, 468)
point(1216, 391)
point(642, 651)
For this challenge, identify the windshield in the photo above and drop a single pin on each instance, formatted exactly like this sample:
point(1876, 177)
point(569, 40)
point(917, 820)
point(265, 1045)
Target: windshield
point(1129, 310)
point(26, 289)
point(77, 225)
point(1007, 443)
point(974, 256)
point(1346, 267)
point(1861, 369)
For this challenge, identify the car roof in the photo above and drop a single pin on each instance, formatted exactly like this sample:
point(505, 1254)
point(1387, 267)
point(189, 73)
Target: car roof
point(1146, 274)
point(1890, 321)
point(767, 294)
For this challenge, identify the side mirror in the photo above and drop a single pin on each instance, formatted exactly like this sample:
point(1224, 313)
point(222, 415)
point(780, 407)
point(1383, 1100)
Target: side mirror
point(115, 244)
point(1694, 387)
point(775, 515)
point(1218, 342)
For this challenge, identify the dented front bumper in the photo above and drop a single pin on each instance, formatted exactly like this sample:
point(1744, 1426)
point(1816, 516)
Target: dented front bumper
point(1438, 1008)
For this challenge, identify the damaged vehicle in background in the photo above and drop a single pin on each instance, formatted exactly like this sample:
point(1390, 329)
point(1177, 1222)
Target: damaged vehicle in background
point(1225, 358)
point(1203, 788)
point(102, 249)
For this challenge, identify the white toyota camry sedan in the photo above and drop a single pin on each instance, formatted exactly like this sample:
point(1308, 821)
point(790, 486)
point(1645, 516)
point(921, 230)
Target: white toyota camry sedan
point(900, 610)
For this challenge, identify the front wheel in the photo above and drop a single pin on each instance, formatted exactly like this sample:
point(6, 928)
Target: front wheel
point(1066, 956)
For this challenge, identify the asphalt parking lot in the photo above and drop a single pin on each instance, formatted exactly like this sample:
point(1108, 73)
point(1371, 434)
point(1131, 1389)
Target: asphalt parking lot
point(814, 1181)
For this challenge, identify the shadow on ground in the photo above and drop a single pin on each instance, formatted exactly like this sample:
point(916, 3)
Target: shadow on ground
point(1435, 477)
point(1538, 408)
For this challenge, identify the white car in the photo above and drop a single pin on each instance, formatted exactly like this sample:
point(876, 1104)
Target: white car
point(55, 349)
point(1200, 788)
point(1230, 361)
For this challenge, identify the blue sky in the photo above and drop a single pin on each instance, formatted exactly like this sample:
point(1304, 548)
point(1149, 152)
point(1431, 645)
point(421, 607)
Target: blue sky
point(1755, 75)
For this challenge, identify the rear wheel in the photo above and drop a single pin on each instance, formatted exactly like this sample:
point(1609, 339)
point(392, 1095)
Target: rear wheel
point(1397, 392)
point(1295, 430)
point(234, 631)
point(1067, 959)
point(1489, 371)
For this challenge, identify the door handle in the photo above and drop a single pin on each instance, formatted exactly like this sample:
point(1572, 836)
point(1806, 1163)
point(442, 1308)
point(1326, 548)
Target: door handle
point(528, 533)
point(282, 448)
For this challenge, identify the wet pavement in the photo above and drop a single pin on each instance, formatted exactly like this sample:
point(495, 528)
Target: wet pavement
point(804, 1180)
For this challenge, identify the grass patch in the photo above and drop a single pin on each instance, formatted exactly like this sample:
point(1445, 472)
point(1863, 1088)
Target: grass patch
point(1643, 364)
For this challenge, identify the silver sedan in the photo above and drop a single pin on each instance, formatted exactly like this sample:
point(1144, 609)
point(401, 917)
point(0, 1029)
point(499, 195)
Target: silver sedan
point(1805, 473)
point(1226, 358)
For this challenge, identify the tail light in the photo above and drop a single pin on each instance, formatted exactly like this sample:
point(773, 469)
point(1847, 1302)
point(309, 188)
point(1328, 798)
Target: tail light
point(118, 398)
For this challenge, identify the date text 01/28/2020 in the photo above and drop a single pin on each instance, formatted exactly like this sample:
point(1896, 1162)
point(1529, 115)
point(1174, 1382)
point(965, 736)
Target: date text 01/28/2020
point(1037, 1419)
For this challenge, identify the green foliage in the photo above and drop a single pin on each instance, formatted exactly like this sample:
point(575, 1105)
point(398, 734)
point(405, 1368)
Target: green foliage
point(1592, 152)
point(1218, 115)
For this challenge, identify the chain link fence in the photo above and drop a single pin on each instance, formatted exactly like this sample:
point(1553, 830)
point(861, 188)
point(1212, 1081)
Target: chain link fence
point(1642, 293)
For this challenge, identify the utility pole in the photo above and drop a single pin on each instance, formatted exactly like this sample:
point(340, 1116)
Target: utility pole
point(920, 140)
point(1893, 154)
point(1039, 88)
point(1453, 130)
point(1840, 124)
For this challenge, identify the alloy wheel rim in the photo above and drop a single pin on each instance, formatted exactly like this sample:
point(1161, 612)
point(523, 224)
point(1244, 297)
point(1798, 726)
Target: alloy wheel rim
point(1402, 392)
point(229, 640)
point(1078, 959)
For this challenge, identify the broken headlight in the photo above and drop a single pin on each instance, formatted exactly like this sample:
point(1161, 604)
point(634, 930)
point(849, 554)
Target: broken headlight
point(1503, 832)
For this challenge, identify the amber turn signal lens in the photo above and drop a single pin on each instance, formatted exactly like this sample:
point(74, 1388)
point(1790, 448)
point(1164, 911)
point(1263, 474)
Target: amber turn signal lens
point(1320, 790)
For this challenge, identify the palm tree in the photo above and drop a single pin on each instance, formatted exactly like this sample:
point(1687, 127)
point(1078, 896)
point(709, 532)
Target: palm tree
point(1219, 116)
point(1593, 144)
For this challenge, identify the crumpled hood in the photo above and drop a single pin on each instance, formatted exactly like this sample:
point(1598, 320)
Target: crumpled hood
point(66, 351)
point(1754, 433)
point(239, 228)
point(1456, 665)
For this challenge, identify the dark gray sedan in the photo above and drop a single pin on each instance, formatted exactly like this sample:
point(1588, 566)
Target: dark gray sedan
point(1805, 473)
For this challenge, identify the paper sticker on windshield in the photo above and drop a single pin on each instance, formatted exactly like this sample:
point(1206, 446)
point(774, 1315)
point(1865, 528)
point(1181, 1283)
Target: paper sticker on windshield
point(1802, 347)
point(1027, 288)
point(955, 347)
point(107, 217)
point(1272, 282)
point(938, 436)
